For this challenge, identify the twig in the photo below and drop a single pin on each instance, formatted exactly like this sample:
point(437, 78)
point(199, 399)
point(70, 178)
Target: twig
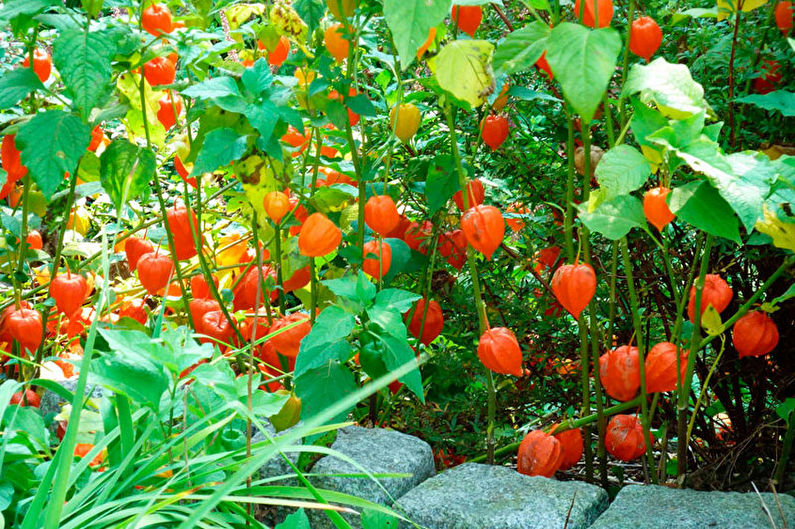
point(764, 506)
point(571, 506)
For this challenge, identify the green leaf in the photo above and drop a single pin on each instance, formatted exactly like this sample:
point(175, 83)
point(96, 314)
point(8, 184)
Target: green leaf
point(463, 68)
point(521, 48)
point(310, 11)
point(745, 191)
point(52, 144)
point(645, 121)
point(361, 105)
point(669, 86)
point(83, 60)
point(258, 78)
point(220, 147)
point(583, 61)
point(622, 170)
point(16, 84)
point(388, 328)
point(297, 520)
point(181, 350)
point(396, 299)
point(613, 218)
point(92, 7)
point(372, 519)
point(217, 377)
point(324, 386)
point(441, 183)
point(16, 8)
point(263, 117)
point(780, 100)
point(354, 288)
point(410, 21)
point(132, 367)
point(402, 260)
point(700, 204)
point(126, 171)
point(214, 88)
point(326, 341)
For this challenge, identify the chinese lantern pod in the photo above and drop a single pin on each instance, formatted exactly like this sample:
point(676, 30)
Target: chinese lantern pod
point(319, 236)
point(69, 292)
point(280, 52)
point(495, 131)
point(571, 443)
point(467, 18)
point(574, 286)
point(645, 37)
point(381, 214)
point(619, 372)
point(288, 342)
point(624, 438)
point(276, 205)
point(405, 121)
point(661, 367)
point(593, 8)
point(484, 228)
point(540, 454)
point(183, 224)
point(785, 16)
point(25, 326)
point(475, 195)
point(717, 293)
point(215, 325)
point(154, 271)
point(156, 19)
point(434, 321)
point(376, 267)
point(199, 287)
point(198, 308)
point(755, 334)
point(251, 291)
point(335, 42)
point(656, 209)
point(499, 351)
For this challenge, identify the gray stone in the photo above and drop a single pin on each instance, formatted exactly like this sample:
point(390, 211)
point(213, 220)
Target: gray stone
point(51, 402)
point(379, 451)
point(276, 466)
point(475, 496)
point(655, 507)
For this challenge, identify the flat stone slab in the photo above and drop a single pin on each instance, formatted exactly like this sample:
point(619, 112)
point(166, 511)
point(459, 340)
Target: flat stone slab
point(475, 496)
point(380, 451)
point(655, 507)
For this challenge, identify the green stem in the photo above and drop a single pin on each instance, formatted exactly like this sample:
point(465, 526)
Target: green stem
point(622, 115)
point(279, 276)
point(684, 391)
point(480, 305)
point(568, 425)
point(162, 203)
point(633, 300)
point(568, 219)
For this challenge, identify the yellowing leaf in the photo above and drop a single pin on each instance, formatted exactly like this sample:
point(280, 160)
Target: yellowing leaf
point(128, 86)
point(239, 13)
point(729, 7)
point(284, 17)
point(463, 68)
point(782, 233)
point(653, 156)
point(711, 322)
